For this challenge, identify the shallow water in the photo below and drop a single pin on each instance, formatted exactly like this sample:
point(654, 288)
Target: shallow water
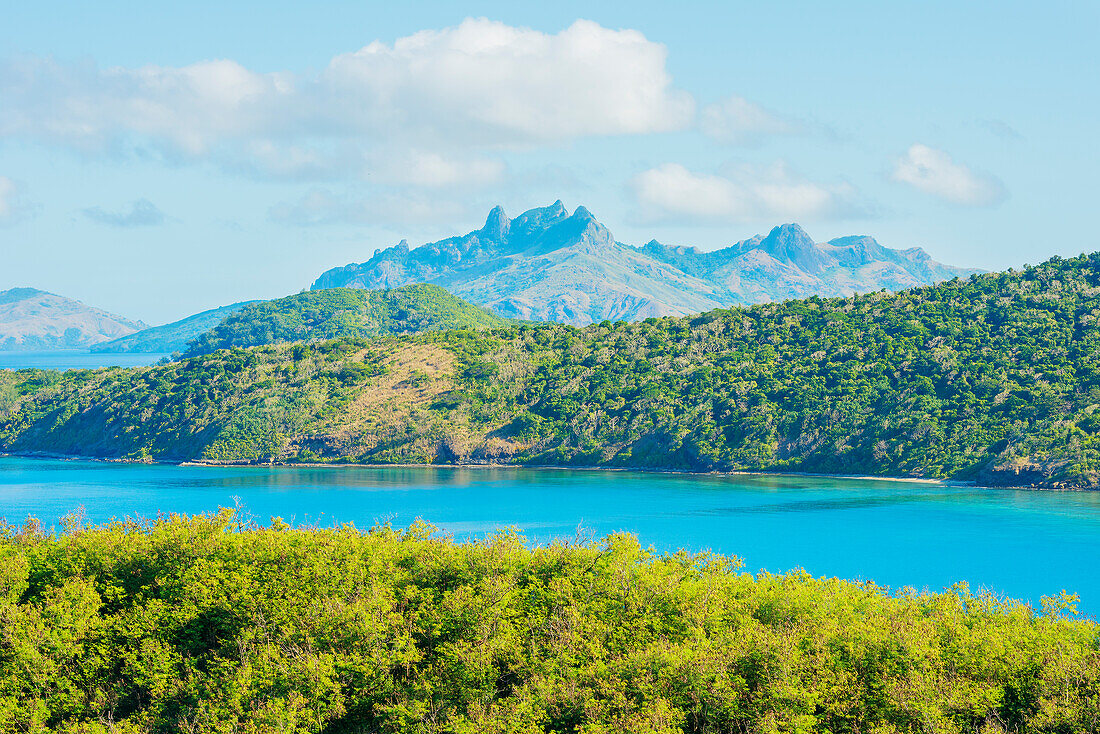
point(1020, 543)
point(75, 359)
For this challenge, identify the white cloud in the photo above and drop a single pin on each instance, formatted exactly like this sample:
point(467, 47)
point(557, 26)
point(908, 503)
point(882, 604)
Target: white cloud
point(394, 165)
point(738, 121)
point(480, 83)
point(745, 193)
point(935, 172)
point(14, 206)
point(141, 213)
point(7, 197)
point(1001, 129)
point(491, 82)
point(187, 109)
point(323, 207)
point(434, 170)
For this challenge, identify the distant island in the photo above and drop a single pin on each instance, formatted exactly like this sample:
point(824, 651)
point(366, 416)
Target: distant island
point(992, 378)
point(549, 265)
point(32, 319)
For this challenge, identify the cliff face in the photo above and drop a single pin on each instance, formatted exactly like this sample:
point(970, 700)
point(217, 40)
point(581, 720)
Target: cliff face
point(32, 319)
point(548, 264)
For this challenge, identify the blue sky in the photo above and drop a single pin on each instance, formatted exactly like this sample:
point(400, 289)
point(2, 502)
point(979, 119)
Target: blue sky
point(156, 160)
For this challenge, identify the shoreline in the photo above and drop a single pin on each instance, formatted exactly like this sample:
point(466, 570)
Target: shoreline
point(542, 467)
point(558, 467)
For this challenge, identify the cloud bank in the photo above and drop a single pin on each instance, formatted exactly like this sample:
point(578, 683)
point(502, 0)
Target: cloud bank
point(672, 192)
point(141, 213)
point(323, 207)
point(480, 83)
point(738, 121)
point(934, 172)
point(14, 206)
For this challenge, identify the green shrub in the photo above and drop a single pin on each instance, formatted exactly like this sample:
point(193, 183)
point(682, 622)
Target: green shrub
point(210, 624)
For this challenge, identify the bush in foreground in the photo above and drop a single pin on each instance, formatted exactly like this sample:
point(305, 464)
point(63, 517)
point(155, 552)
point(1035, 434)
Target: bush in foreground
point(207, 624)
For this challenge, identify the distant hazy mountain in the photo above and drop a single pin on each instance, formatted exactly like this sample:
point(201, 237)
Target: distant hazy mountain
point(31, 319)
point(171, 337)
point(548, 264)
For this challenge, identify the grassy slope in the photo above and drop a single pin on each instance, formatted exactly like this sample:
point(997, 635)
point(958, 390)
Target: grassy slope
point(207, 625)
point(995, 377)
point(344, 312)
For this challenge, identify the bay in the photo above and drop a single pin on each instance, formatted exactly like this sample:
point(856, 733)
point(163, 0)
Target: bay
point(1020, 543)
point(75, 359)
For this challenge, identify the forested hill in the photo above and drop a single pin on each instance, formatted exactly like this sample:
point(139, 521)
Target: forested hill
point(344, 312)
point(995, 378)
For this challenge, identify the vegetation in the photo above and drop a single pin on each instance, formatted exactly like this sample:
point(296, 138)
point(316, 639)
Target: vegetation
point(211, 624)
point(995, 378)
point(344, 312)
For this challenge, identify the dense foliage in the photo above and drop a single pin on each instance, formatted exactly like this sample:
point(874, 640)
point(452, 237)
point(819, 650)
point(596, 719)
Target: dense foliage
point(230, 405)
point(995, 378)
point(212, 625)
point(344, 312)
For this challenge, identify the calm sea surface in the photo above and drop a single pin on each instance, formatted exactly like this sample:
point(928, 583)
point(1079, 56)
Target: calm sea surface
point(74, 359)
point(1023, 544)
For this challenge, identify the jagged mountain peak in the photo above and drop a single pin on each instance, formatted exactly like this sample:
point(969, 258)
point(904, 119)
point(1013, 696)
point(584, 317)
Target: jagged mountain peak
point(860, 250)
point(790, 230)
point(582, 213)
point(786, 241)
point(540, 217)
point(790, 244)
point(497, 224)
point(549, 264)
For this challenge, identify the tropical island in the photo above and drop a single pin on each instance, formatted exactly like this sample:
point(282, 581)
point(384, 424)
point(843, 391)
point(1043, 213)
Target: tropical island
point(322, 413)
point(991, 378)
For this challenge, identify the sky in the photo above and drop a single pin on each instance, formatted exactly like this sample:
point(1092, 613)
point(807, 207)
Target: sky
point(159, 159)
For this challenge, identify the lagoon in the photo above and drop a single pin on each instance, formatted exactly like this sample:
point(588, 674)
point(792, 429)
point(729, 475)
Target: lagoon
point(1020, 543)
point(76, 359)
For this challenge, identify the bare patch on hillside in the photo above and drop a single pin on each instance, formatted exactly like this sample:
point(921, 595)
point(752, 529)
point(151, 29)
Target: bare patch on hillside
point(415, 375)
point(391, 419)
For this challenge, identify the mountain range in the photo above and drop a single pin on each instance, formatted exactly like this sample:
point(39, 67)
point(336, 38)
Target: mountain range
point(33, 319)
point(549, 265)
point(546, 264)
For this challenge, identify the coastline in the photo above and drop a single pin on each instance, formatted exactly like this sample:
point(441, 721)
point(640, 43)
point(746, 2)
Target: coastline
point(542, 467)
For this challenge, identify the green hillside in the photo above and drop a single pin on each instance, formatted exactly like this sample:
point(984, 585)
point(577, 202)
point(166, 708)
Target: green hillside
point(344, 312)
point(213, 625)
point(994, 378)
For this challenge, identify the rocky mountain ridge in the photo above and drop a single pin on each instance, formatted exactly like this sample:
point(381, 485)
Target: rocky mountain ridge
point(550, 264)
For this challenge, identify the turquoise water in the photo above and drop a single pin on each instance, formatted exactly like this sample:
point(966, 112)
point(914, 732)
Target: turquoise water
point(1020, 543)
point(74, 359)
